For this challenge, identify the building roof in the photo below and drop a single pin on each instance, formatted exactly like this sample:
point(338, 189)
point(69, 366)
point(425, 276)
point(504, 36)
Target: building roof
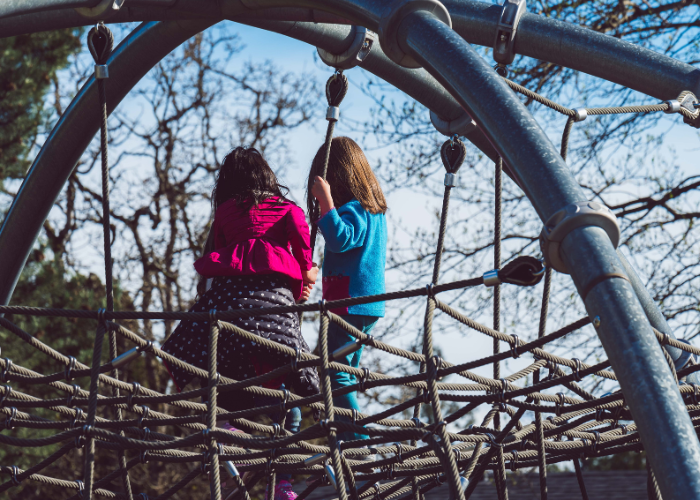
point(608, 485)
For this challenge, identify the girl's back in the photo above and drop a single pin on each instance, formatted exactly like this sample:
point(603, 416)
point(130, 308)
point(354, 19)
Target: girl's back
point(257, 240)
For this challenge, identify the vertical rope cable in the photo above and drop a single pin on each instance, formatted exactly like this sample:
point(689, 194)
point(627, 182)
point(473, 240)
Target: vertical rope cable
point(336, 89)
point(214, 473)
point(500, 474)
point(541, 453)
point(100, 44)
point(452, 153)
point(579, 478)
point(89, 473)
point(565, 137)
point(451, 470)
point(653, 491)
point(328, 405)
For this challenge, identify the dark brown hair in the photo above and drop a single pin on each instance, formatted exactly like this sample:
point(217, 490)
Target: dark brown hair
point(349, 176)
point(246, 177)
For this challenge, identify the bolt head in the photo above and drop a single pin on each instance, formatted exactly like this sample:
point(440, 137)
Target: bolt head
point(596, 321)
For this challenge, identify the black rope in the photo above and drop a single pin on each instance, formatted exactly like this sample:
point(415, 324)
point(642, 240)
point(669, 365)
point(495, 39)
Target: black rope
point(336, 89)
point(100, 42)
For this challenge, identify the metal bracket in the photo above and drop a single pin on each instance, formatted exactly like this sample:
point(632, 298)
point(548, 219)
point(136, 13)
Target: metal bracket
point(575, 215)
point(394, 13)
point(102, 10)
point(461, 126)
point(504, 43)
point(359, 49)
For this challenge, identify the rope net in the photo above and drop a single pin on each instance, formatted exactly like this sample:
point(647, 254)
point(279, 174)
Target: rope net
point(413, 456)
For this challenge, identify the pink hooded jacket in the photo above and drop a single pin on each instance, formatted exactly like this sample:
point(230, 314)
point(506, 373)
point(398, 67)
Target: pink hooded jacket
point(270, 238)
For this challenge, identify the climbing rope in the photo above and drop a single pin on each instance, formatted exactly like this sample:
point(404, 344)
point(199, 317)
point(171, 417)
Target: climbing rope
point(414, 456)
point(100, 41)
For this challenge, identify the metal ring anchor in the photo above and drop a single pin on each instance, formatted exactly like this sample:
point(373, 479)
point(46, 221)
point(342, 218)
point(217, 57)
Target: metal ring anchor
point(573, 216)
point(359, 49)
point(392, 16)
point(504, 43)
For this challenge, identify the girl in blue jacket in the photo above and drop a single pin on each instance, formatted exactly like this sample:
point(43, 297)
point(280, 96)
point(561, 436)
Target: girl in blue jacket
point(351, 207)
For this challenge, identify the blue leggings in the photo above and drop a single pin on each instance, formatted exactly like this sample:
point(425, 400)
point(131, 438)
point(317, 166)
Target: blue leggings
point(337, 337)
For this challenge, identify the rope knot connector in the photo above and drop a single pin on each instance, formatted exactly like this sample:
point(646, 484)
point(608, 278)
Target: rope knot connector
point(524, 270)
point(69, 369)
point(6, 370)
point(100, 42)
point(15, 471)
point(10, 418)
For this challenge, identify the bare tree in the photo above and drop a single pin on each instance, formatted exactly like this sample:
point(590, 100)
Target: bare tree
point(621, 160)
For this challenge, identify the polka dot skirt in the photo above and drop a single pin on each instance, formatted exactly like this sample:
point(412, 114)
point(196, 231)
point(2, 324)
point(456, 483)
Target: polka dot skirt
point(189, 342)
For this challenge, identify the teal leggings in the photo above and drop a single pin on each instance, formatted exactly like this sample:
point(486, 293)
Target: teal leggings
point(337, 337)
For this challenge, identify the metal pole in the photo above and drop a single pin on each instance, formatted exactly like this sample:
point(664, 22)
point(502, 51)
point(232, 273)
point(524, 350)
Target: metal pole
point(656, 317)
point(416, 83)
point(649, 387)
point(579, 48)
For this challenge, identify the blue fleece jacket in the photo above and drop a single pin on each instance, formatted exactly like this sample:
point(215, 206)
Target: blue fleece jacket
point(353, 265)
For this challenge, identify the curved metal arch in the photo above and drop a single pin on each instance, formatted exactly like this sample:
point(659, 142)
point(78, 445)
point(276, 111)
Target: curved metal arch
point(644, 376)
point(52, 167)
point(547, 39)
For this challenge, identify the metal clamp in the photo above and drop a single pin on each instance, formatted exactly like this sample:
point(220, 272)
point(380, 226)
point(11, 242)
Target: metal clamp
point(69, 369)
point(333, 113)
point(359, 49)
point(461, 126)
point(6, 394)
point(392, 16)
point(491, 278)
point(71, 396)
point(10, 418)
point(573, 216)
point(330, 474)
point(102, 10)
point(559, 404)
point(101, 72)
point(673, 107)
point(364, 378)
point(126, 357)
point(450, 179)
point(580, 114)
point(503, 45)
point(577, 368)
point(6, 370)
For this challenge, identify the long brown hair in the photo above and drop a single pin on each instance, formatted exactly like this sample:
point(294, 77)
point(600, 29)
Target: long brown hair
point(349, 176)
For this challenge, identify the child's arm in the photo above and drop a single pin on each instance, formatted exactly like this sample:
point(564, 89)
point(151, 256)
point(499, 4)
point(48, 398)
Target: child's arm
point(298, 234)
point(341, 231)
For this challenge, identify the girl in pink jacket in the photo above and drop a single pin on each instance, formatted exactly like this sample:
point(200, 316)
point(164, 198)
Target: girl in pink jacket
point(258, 256)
